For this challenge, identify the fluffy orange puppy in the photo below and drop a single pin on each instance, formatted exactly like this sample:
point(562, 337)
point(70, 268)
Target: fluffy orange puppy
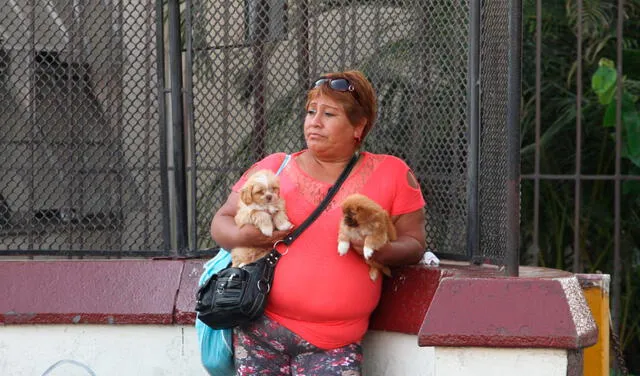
point(259, 205)
point(363, 219)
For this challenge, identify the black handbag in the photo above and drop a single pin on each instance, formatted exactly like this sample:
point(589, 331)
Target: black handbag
point(236, 296)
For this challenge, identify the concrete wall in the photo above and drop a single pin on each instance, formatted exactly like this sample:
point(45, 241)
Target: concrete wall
point(158, 350)
point(172, 350)
point(467, 361)
point(136, 350)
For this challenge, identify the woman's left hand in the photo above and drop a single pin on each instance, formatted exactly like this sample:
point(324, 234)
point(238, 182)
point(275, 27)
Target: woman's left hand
point(358, 247)
point(408, 248)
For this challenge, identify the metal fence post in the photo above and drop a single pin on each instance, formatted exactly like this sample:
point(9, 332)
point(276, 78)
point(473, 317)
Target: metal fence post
point(177, 121)
point(162, 126)
point(473, 163)
point(512, 256)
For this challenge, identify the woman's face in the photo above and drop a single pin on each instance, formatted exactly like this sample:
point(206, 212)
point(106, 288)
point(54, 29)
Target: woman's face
point(327, 129)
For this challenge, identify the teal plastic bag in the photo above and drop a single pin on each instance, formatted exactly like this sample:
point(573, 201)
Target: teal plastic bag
point(216, 346)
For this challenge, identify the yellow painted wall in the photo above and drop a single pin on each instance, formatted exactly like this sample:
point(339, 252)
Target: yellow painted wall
point(596, 292)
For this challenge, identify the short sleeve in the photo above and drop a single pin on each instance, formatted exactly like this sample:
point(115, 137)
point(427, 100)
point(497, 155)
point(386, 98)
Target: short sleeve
point(407, 198)
point(271, 162)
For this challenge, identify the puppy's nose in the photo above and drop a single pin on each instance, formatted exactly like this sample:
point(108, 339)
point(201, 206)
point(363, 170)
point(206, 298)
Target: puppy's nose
point(268, 197)
point(350, 221)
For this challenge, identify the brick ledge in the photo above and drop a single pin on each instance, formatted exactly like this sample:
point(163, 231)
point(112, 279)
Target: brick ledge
point(163, 292)
point(96, 292)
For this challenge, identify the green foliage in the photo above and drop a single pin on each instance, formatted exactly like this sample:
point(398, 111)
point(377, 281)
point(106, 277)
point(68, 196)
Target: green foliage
point(558, 118)
point(604, 84)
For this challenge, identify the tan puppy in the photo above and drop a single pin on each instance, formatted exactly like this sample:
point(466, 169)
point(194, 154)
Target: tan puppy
point(259, 205)
point(364, 219)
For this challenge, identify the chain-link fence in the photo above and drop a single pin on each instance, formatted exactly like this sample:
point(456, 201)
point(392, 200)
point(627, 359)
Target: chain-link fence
point(253, 60)
point(81, 158)
point(84, 161)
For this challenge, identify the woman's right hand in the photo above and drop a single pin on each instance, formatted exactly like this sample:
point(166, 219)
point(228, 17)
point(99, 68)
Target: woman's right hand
point(227, 234)
point(251, 236)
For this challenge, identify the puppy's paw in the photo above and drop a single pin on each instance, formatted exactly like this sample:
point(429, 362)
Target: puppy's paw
point(367, 252)
point(285, 226)
point(343, 247)
point(266, 231)
point(373, 273)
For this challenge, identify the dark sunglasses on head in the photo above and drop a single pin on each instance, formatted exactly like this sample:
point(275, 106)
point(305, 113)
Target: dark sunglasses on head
point(337, 84)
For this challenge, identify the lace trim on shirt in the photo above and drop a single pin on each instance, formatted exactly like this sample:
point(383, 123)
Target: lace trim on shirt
point(314, 191)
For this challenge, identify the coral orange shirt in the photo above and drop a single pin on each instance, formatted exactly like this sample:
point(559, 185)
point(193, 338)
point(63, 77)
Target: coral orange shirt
point(323, 297)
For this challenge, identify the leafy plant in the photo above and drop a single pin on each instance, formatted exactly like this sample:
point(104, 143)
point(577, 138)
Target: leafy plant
point(604, 84)
point(557, 147)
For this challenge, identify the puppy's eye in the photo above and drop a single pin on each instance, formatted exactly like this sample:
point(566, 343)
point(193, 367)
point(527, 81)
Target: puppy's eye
point(258, 191)
point(276, 190)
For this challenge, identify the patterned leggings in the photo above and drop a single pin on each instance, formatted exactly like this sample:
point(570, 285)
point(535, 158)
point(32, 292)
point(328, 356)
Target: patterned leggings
point(265, 347)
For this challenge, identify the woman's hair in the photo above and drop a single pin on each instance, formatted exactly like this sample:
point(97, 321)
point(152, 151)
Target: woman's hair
point(358, 104)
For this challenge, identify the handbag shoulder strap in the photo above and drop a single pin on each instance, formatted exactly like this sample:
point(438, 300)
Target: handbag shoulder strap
point(284, 163)
point(332, 192)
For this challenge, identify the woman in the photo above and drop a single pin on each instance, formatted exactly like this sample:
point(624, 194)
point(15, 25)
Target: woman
point(320, 302)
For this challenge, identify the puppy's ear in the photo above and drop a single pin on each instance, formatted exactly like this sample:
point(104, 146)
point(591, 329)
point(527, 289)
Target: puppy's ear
point(381, 219)
point(245, 195)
